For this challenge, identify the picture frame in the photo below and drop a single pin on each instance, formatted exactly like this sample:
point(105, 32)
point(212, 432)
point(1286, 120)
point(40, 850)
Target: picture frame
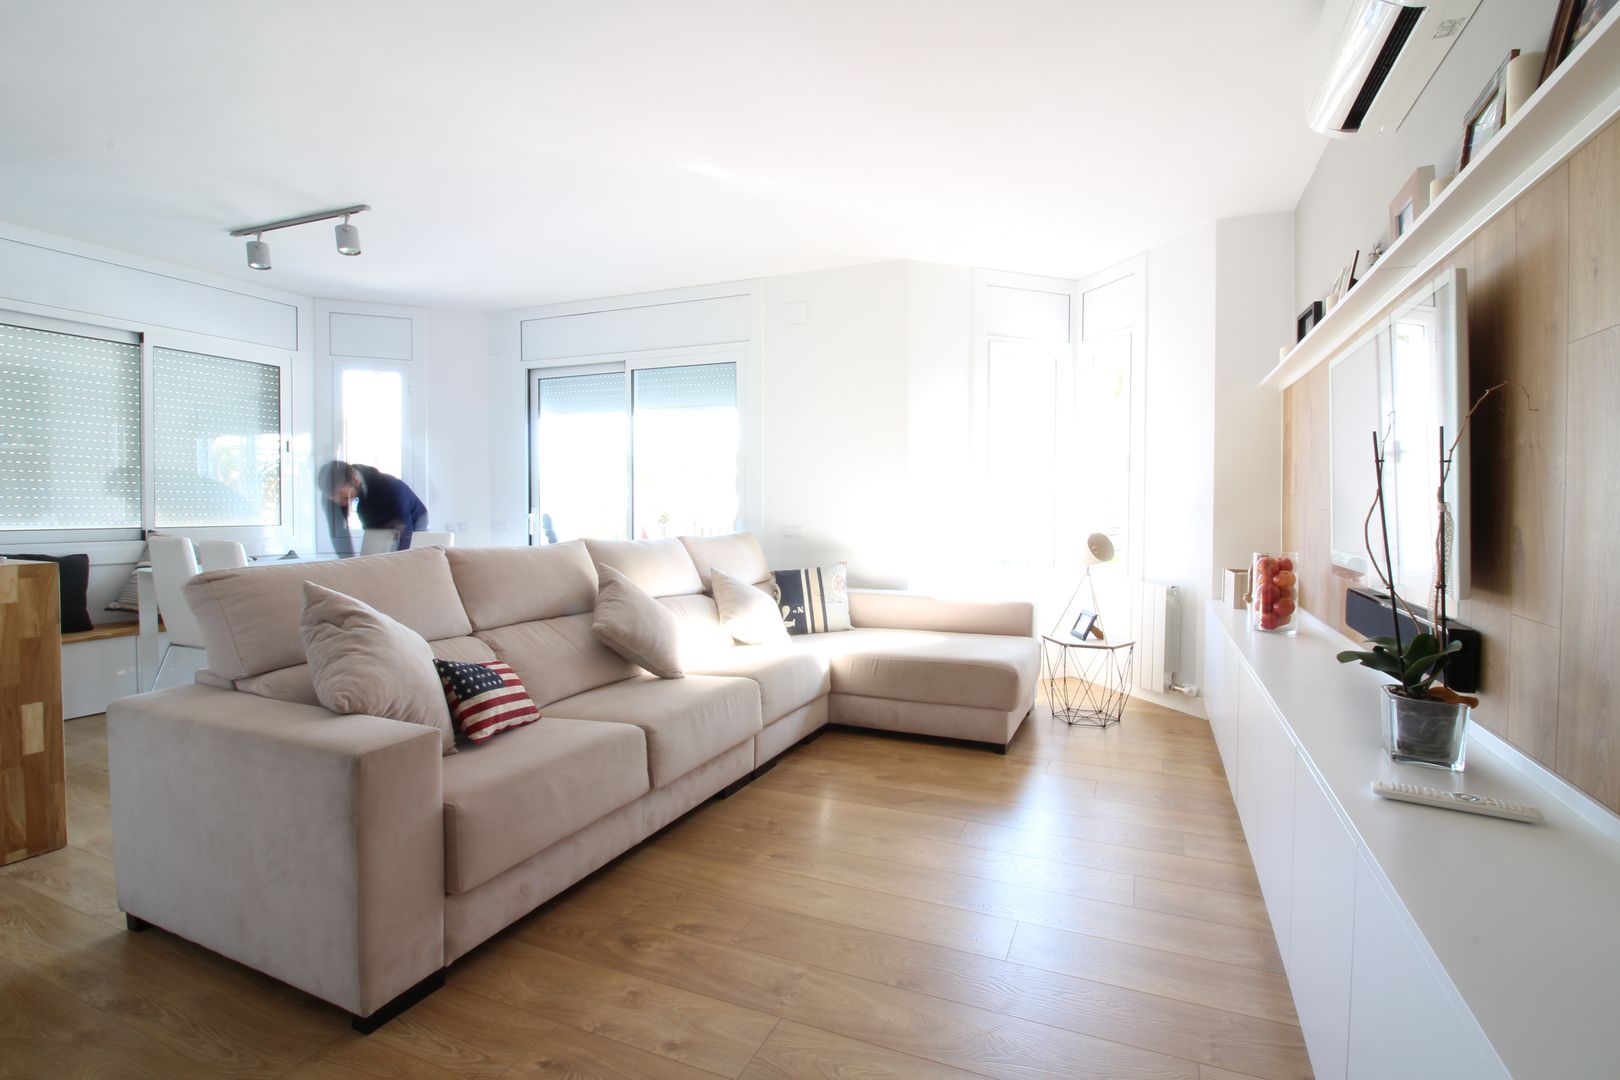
point(1085, 626)
point(1486, 116)
point(1410, 202)
point(1307, 320)
point(1573, 22)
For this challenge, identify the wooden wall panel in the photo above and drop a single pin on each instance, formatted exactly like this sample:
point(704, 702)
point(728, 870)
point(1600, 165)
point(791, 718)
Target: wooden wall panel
point(1594, 280)
point(32, 768)
point(1544, 316)
point(1589, 672)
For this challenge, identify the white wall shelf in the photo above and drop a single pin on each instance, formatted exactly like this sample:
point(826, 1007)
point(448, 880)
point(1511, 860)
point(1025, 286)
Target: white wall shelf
point(1580, 98)
point(1418, 942)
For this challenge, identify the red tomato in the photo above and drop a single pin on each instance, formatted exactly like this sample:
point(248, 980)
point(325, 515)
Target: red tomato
point(1285, 564)
point(1269, 622)
point(1264, 567)
point(1284, 579)
point(1284, 610)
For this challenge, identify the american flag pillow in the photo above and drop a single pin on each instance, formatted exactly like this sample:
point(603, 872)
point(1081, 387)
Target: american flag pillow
point(485, 699)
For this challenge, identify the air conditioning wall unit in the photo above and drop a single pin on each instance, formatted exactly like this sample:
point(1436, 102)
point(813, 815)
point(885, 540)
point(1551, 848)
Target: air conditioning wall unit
point(1382, 55)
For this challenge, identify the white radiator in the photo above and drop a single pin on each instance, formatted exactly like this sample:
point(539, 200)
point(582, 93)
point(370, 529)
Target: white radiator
point(1157, 623)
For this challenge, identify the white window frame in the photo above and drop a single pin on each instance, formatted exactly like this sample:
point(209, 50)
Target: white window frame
point(253, 537)
point(407, 449)
point(629, 364)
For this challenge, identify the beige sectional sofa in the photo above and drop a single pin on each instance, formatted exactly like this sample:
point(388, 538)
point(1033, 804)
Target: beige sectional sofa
point(344, 855)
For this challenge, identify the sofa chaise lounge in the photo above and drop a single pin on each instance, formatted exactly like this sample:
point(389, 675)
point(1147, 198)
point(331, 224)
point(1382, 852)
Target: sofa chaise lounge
point(344, 855)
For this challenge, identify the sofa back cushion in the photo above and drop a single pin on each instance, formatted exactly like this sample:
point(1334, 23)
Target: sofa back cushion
point(297, 683)
point(697, 625)
point(738, 554)
point(508, 585)
point(249, 615)
point(658, 567)
point(557, 658)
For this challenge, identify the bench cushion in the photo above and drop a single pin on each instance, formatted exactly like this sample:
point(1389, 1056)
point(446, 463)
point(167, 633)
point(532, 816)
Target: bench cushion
point(986, 671)
point(512, 798)
point(688, 722)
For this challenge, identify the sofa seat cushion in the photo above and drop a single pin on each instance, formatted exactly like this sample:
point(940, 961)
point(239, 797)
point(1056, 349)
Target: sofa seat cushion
point(986, 671)
point(514, 797)
point(788, 678)
point(688, 722)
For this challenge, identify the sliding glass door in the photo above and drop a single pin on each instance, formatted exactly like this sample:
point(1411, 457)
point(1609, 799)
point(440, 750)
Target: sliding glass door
point(635, 451)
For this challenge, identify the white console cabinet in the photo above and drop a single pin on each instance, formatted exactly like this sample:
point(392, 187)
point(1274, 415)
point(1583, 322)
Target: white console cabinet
point(1419, 943)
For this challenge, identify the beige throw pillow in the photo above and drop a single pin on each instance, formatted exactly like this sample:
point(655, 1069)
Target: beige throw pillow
point(364, 662)
point(748, 613)
point(636, 626)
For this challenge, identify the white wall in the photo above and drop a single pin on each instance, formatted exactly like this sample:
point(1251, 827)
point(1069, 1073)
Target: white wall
point(1253, 316)
point(1179, 503)
point(835, 348)
point(1218, 303)
point(1345, 206)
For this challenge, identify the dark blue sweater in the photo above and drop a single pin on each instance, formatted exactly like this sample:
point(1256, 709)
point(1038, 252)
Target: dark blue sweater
point(385, 502)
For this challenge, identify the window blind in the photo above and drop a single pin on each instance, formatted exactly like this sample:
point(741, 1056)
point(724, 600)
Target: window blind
point(216, 440)
point(702, 386)
point(70, 431)
point(565, 394)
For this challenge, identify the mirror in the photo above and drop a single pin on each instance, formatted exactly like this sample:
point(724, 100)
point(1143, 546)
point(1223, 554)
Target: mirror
point(1407, 380)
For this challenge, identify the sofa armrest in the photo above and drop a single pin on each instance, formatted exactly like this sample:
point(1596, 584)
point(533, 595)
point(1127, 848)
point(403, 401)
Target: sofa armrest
point(304, 844)
point(909, 611)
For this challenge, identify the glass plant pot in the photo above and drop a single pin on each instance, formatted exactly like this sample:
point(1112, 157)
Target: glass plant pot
point(1422, 731)
point(1274, 592)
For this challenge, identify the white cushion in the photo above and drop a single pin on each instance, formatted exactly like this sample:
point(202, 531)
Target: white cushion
point(634, 625)
point(362, 661)
point(748, 613)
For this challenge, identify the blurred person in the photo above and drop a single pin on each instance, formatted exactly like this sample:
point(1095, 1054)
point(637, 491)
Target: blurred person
point(380, 501)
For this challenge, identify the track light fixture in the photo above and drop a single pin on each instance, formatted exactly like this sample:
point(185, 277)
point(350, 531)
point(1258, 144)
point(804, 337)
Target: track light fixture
point(258, 253)
point(348, 237)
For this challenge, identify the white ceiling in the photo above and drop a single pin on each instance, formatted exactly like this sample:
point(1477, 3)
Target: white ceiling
point(525, 152)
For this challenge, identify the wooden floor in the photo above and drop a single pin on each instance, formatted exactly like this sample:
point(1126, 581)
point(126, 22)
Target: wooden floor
point(873, 907)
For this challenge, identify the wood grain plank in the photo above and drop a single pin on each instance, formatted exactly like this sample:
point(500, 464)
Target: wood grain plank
point(1087, 1006)
point(922, 1025)
point(739, 832)
point(1533, 660)
point(1230, 877)
point(1537, 361)
point(1594, 250)
point(797, 1052)
point(461, 1032)
point(660, 1018)
point(1264, 994)
point(1589, 679)
point(565, 1053)
point(45, 1031)
point(974, 931)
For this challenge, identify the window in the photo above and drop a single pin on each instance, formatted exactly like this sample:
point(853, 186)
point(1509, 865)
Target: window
point(643, 451)
point(70, 431)
point(216, 440)
point(77, 456)
point(371, 416)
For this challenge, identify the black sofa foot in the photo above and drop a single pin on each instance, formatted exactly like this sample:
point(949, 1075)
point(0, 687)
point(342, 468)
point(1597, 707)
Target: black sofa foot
point(135, 924)
point(365, 1025)
point(735, 786)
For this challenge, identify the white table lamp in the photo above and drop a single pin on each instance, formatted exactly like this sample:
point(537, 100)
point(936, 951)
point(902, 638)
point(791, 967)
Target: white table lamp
point(1099, 549)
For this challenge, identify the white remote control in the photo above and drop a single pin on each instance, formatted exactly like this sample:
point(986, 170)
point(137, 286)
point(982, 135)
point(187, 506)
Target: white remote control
point(1457, 800)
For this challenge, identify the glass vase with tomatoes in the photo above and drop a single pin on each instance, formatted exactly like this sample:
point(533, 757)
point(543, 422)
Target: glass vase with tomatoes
point(1274, 592)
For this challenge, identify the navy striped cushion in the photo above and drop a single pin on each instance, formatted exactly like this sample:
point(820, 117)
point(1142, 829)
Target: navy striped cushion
point(816, 600)
point(485, 699)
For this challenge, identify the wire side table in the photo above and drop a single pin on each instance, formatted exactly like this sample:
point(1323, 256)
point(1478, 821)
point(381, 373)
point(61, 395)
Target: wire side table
point(1087, 682)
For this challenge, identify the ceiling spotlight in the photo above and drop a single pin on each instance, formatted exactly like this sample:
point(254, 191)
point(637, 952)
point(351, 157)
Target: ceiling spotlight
point(258, 253)
point(348, 238)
